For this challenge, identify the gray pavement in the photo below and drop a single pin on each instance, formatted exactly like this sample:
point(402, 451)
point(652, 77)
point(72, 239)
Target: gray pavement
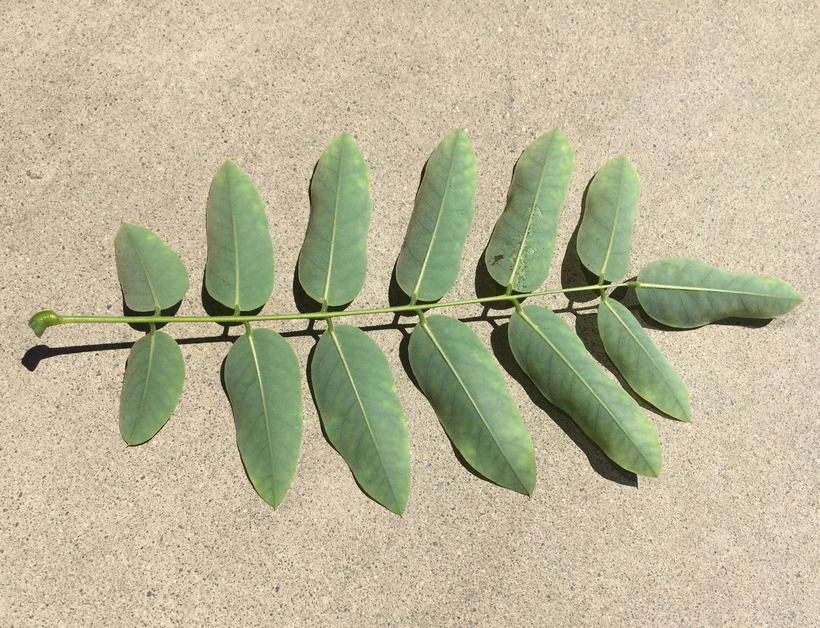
point(123, 111)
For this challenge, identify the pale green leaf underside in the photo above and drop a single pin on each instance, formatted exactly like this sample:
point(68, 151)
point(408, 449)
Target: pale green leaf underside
point(239, 270)
point(153, 381)
point(643, 366)
point(523, 241)
point(360, 410)
point(609, 215)
point(333, 261)
point(151, 275)
point(264, 387)
point(553, 356)
point(688, 293)
point(467, 390)
point(430, 256)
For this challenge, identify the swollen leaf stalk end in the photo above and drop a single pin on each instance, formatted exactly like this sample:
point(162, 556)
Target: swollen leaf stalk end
point(42, 320)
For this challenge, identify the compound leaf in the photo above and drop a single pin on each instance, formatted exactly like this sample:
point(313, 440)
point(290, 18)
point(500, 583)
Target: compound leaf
point(152, 276)
point(688, 293)
point(640, 362)
point(430, 256)
point(520, 249)
point(263, 384)
point(239, 270)
point(361, 413)
point(333, 261)
point(467, 390)
point(553, 356)
point(609, 215)
point(154, 375)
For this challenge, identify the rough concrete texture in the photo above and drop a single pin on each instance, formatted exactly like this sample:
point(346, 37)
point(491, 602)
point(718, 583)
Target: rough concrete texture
point(124, 110)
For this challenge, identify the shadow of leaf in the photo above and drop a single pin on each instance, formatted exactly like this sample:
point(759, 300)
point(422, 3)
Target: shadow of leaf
point(573, 273)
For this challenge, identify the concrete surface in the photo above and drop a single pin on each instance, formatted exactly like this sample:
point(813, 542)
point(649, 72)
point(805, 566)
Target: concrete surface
point(124, 110)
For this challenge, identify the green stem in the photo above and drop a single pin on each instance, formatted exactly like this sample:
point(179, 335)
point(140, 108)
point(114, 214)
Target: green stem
point(153, 326)
point(42, 320)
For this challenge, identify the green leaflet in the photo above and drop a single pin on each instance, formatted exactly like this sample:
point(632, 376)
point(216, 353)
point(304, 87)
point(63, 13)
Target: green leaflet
point(333, 261)
point(468, 392)
point(431, 253)
point(609, 214)
point(687, 293)
point(361, 413)
point(263, 384)
point(555, 359)
point(523, 240)
point(152, 276)
point(151, 388)
point(639, 361)
point(239, 271)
